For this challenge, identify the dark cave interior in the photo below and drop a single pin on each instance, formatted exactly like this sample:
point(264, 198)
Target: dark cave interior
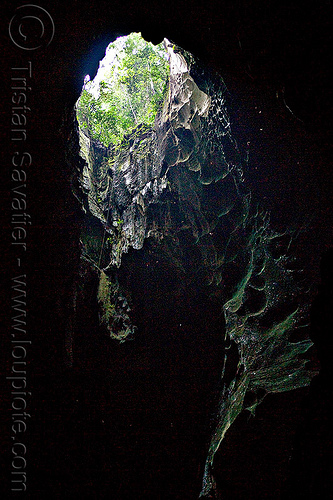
point(133, 420)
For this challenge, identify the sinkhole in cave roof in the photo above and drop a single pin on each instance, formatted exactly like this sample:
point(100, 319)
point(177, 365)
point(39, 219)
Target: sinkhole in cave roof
point(176, 191)
point(128, 90)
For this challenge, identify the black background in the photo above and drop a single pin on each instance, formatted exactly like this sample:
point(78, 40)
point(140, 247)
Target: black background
point(133, 421)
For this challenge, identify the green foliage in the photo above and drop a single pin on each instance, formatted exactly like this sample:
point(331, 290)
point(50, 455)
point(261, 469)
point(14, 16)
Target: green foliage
point(130, 94)
point(113, 307)
point(105, 296)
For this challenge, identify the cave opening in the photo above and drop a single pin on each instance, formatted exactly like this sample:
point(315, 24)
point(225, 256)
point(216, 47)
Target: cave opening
point(175, 255)
point(127, 91)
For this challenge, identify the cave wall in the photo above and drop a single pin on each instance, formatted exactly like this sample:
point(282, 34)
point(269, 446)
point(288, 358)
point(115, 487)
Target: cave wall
point(274, 59)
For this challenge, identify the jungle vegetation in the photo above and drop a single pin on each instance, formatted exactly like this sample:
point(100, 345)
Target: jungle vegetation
point(130, 92)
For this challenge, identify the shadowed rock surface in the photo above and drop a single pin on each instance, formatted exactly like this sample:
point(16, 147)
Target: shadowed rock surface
point(178, 192)
point(104, 424)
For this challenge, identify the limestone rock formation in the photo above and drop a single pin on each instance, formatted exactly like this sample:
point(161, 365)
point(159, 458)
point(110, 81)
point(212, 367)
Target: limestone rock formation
point(180, 186)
